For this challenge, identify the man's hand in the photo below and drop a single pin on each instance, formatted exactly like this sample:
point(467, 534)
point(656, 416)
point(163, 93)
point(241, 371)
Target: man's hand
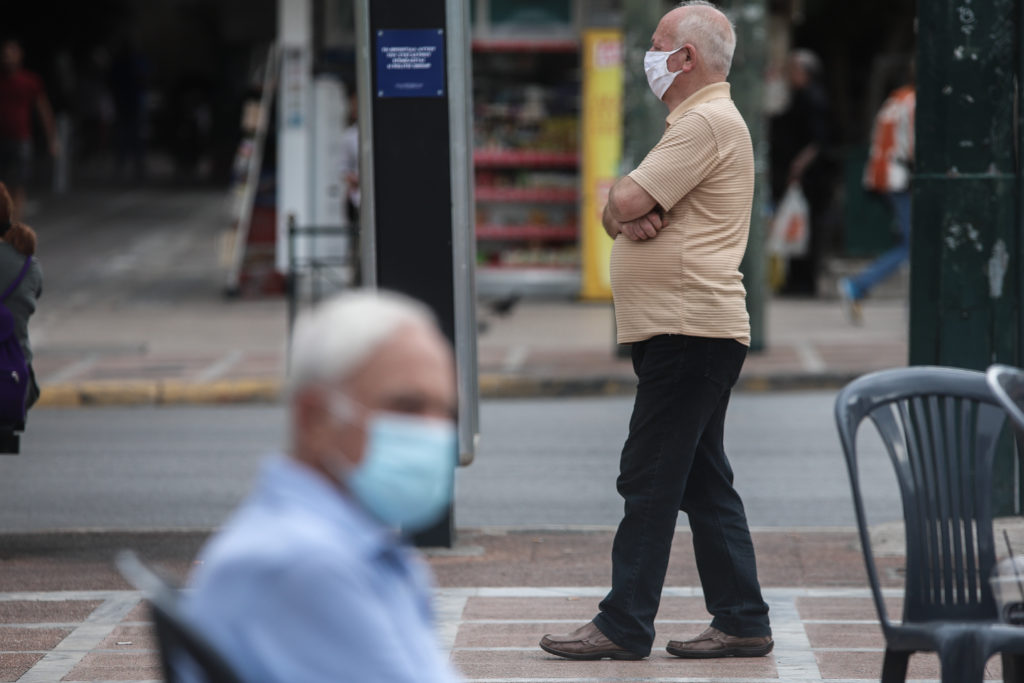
point(644, 228)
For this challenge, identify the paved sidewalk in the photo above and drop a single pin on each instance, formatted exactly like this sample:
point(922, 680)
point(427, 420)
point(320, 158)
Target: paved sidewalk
point(499, 592)
point(214, 350)
point(133, 312)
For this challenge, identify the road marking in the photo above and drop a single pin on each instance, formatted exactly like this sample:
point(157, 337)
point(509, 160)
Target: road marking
point(515, 358)
point(449, 609)
point(809, 357)
point(66, 596)
point(70, 371)
point(59, 661)
point(219, 368)
point(794, 658)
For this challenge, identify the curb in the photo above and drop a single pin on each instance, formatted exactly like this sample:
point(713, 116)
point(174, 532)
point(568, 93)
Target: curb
point(492, 386)
point(158, 392)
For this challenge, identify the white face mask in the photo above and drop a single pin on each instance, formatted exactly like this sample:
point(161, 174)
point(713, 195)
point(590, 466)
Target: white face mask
point(656, 68)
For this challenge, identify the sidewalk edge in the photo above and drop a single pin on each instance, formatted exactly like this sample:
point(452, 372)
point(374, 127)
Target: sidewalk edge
point(492, 385)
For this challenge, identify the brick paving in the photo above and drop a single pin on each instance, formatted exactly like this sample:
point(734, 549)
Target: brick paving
point(490, 620)
point(823, 634)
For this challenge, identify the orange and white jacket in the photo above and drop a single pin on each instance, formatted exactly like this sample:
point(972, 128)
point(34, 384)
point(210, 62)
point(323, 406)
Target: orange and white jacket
point(892, 144)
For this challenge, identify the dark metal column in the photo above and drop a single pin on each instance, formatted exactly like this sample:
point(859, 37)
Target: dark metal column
point(965, 245)
point(416, 221)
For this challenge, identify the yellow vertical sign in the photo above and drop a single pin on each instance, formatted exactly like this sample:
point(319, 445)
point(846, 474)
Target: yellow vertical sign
point(602, 152)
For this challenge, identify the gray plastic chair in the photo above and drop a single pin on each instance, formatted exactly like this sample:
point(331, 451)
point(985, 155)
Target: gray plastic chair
point(1007, 383)
point(940, 427)
point(185, 655)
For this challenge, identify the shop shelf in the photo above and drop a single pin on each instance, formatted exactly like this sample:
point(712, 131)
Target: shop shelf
point(554, 233)
point(554, 195)
point(505, 158)
point(526, 45)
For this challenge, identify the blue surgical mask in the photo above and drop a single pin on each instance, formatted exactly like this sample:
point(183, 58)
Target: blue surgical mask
point(407, 473)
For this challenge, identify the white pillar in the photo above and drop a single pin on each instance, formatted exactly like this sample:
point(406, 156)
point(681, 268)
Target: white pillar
point(295, 37)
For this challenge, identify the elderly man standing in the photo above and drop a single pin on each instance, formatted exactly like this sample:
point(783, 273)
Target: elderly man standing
point(680, 224)
point(309, 581)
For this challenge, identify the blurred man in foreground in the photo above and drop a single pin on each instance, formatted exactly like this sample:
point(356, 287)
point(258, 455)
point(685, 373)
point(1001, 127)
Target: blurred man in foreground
point(309, 580)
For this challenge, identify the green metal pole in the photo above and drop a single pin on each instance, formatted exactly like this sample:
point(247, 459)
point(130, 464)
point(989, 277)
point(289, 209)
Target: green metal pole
point(965, 277)
point(643, 115)
point(747, 79)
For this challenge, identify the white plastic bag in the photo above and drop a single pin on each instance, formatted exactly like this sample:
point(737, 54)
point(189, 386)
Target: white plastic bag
point(791, 229)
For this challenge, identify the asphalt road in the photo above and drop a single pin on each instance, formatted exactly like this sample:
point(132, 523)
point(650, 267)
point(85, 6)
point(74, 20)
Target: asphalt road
point(542, 463)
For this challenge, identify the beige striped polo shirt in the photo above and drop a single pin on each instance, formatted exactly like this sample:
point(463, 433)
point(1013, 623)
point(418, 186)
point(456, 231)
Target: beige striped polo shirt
point(687, 279)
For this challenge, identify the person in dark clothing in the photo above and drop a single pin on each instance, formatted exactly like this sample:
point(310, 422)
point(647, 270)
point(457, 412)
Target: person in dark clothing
point(21, 95)
point(19, 241)
point(799, 136)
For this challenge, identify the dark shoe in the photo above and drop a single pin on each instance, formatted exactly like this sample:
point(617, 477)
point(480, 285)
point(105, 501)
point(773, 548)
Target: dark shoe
point(586, 642)
point(713, 643)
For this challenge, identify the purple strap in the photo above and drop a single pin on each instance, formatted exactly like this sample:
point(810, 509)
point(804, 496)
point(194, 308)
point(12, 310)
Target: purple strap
point(17, 280)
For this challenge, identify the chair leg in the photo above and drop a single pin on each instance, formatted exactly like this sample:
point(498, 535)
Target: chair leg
point(894, 666)
point(1013, 668)
point(961, 661)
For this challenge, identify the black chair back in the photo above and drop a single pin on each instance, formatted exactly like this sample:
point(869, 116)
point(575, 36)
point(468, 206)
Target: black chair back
point(184, 653)
point(940, 427)
point(1007, 383)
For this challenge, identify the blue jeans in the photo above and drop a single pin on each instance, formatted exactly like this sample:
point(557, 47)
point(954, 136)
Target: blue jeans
point(673, 460)
point(886, 264)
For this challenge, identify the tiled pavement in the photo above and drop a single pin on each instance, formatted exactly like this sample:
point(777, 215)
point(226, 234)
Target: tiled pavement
point(500, 591)
point(823, 634)
point(235, 351)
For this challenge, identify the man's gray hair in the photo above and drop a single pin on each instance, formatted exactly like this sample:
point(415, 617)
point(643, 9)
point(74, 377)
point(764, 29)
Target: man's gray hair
point(332, 340)
point(713, 36)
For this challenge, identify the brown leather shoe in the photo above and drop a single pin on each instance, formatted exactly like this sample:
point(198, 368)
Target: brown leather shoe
point(713, 643)
point(586, 642)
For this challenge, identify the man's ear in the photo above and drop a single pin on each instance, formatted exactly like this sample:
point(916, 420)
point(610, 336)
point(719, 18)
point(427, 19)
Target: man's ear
point(685, 59)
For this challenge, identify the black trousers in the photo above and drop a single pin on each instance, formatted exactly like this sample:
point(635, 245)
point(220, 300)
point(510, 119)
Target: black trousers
point(673, 460)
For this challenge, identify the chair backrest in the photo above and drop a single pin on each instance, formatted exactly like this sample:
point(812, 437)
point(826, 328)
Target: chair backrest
point(1007, 383)
point(940, 427)
point(185, 654)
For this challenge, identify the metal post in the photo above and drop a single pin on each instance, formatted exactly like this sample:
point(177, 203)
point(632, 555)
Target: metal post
point(965, 244)
point(460, 118)
point(367, 184)
point(417, 188)
point(643, 115)
point(747, 79)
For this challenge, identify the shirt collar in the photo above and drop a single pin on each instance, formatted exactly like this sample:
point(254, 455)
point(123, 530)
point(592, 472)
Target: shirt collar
point(289, 482)
point(705, 94)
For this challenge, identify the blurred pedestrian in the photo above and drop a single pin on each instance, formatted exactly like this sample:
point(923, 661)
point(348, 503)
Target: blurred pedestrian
point(309, 581)
point(680, 222)
point(21, 94)
point(129, 74)
point(888, 171)
point(799, 136)
point(18, 245)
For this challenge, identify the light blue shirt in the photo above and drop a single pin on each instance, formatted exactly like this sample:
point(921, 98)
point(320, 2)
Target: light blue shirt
point(303, 585)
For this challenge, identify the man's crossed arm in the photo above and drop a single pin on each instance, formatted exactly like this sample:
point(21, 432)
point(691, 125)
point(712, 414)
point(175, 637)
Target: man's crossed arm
point(631, 211)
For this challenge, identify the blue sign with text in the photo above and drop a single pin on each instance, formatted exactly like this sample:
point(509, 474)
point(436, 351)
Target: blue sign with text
point(410, 63)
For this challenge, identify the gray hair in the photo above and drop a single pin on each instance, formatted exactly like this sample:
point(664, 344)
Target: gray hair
point(332, 340)
point(705, 30)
